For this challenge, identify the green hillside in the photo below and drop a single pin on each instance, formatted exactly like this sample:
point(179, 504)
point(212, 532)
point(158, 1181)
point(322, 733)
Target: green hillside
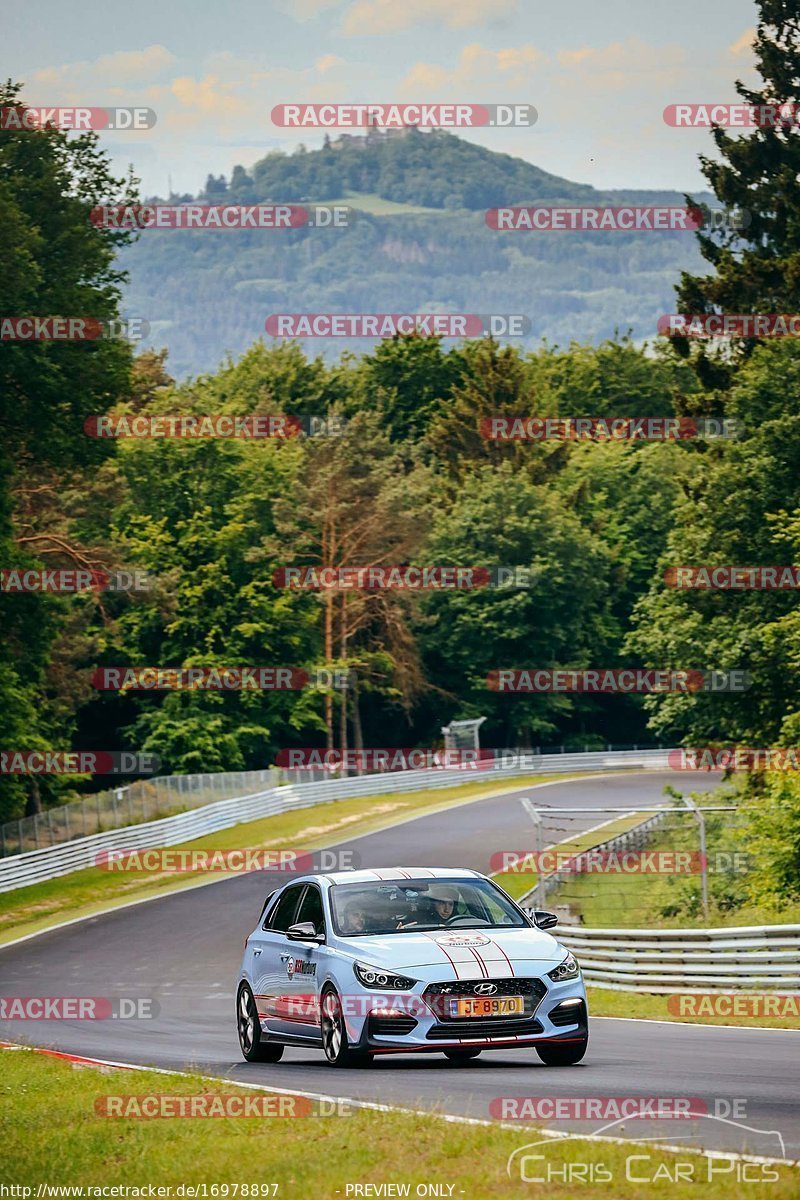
point(418, 241)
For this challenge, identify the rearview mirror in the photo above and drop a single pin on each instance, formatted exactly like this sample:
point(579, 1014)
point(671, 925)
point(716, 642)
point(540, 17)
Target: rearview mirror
point(304, 932)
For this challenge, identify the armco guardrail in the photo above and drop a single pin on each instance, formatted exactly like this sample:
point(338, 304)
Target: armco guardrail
point(37, 865)
point(147, 799)
point(746, 958)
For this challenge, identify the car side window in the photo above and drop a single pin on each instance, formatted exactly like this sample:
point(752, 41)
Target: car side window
point(282, 915)
point(311, 909)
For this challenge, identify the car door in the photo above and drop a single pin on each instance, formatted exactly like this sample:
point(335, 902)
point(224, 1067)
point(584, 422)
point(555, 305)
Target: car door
point(269, 947)
point(306, 969)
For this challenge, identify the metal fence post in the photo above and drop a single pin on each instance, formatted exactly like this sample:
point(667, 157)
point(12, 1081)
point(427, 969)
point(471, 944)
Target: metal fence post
point(701, 821)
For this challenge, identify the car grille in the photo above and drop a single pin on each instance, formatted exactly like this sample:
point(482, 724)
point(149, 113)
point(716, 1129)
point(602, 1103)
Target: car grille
point(437, 996)
point(490, 1027)
point(390, 1026)
point(568, 1014)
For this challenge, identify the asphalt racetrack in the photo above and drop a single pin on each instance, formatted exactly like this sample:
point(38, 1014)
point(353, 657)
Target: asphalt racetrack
point(184, 951)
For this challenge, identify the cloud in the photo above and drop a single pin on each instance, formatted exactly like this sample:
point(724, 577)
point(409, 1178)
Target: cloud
point(306, 10)
point(327, 62)
point(125, 66)
point(476, 66)
point(618, 65)
point(376, 17)
point(743, 44)
point(206, 95)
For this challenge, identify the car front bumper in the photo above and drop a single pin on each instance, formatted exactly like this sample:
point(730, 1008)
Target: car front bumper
point(418, 1028)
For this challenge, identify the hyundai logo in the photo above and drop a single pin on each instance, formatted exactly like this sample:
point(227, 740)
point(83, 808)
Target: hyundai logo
point(485, 989)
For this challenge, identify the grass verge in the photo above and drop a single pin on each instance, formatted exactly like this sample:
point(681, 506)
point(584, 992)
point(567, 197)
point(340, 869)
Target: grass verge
point(54, 1135)
point(94, 890)
point(604, 1002)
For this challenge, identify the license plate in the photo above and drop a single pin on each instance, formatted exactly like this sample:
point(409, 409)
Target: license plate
point(487, 1006)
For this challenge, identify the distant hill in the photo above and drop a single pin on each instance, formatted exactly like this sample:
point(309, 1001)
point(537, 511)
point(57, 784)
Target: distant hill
point(419, 242)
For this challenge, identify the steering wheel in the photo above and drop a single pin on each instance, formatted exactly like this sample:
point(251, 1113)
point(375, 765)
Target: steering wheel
point(456, 920)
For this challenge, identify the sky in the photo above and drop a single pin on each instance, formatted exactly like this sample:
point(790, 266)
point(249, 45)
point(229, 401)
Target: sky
point(599, 75)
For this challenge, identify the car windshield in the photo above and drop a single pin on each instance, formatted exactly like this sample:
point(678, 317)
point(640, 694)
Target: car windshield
point(413, 905)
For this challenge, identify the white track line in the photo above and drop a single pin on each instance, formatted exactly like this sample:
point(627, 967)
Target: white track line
point(697, 1024)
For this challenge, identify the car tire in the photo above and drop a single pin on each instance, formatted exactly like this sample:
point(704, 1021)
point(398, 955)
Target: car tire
point(253, 1045)
point(564, 1054)
point(462, 1056)
point(334, 1034)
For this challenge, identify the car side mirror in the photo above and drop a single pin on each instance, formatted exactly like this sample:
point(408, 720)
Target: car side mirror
point(304, 932)
point(544, 919)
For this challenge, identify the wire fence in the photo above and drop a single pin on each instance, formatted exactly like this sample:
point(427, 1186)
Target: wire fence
point(665, 870)
point(139, 802)
point(150, 799)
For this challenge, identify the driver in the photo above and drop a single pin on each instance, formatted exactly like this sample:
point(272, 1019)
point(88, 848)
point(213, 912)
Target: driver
point(354, 918)
point(444, 900)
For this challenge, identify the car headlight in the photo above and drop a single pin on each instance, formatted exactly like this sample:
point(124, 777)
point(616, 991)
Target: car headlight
point(568, 969)
point(375, 977)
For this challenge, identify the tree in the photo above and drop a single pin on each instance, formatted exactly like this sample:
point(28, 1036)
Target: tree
point(757, 268)
point(355, 508)
point(739, 508)
point(53, 262)
point(503, 519)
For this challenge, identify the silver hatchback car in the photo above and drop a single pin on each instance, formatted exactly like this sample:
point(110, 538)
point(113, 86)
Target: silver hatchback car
point(406, 960)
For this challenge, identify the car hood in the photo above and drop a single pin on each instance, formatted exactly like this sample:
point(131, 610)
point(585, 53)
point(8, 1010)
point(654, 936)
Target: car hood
point(467, 951)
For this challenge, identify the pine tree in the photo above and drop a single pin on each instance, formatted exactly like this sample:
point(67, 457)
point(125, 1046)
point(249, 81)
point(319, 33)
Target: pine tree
point(756, 268)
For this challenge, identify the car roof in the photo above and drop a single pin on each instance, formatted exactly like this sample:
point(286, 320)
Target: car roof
point(389, 874)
